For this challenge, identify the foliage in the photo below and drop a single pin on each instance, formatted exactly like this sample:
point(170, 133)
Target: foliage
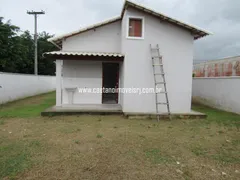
point(99, 135)
point(17, 50)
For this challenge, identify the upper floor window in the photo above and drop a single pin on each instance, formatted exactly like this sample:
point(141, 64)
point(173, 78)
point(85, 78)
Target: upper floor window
point(135, 28)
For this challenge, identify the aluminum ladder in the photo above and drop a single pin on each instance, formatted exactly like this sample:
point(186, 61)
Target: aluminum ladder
point(158, 71)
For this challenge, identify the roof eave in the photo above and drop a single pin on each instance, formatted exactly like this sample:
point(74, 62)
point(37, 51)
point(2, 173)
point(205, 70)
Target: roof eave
point(197, 32)
point(58, 40)
point(58, 45)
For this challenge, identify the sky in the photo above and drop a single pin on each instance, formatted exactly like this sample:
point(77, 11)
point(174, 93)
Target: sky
point(221, 17)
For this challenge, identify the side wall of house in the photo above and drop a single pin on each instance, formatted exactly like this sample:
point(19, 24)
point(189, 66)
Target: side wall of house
point(82, 74)
point(176, 47)
point(102, 39)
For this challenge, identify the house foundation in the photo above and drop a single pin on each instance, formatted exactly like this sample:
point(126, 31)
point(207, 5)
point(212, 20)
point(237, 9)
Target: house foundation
point(114, 109)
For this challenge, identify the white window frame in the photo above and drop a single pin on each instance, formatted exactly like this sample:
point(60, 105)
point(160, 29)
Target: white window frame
point(143, 27)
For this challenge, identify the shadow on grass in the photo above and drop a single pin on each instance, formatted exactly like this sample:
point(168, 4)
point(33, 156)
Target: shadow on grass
point(28, 107)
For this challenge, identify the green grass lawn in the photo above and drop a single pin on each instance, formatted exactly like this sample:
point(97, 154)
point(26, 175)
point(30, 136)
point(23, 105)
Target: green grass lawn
point(28, 107)
point(218, 116)
point(112, 147)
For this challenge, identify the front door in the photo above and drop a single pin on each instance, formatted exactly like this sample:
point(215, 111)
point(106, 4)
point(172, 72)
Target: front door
point(110, 83)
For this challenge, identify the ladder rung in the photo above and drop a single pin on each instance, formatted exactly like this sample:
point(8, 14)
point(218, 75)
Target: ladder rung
point(160, 82)
point(159, 73)
point(162, 103)
point(159, 63)
point(157, 57)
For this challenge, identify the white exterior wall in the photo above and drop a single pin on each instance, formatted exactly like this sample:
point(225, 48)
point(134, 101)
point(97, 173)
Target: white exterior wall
point(59, 65)
point(176, 47)
point(121, 81)
point(82, 74)
point(17, 86)
point(219, 92)
point(102, 39)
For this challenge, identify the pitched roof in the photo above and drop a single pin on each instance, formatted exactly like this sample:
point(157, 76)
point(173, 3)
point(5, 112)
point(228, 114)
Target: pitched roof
point(197, 32)
point(58, 39)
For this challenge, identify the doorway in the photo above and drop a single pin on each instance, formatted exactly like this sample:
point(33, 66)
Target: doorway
point(110, 77)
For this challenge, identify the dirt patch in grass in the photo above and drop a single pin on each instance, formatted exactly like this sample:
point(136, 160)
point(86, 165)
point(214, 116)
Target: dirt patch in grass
point(111, 147)
point(131, 151)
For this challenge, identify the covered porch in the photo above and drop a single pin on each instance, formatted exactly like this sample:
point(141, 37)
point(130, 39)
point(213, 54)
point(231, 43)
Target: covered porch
point(81, 78)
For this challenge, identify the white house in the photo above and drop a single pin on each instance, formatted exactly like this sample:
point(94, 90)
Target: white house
point(116, 53)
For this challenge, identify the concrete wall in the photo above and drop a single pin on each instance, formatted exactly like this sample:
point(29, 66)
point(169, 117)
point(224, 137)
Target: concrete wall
point(218, 68)
point(222, 93)
point(17, 86)
point(103, 39)
point(82, 74)
point(176, 47)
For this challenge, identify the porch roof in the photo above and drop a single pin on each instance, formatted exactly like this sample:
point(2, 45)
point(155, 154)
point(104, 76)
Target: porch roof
point(68, 55)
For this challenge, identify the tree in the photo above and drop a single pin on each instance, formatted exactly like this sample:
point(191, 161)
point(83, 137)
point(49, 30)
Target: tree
point(17, 51)
point(45, 66)
point(8, 40)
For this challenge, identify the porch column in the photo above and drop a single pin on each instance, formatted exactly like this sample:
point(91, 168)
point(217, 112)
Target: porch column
point(59, 82)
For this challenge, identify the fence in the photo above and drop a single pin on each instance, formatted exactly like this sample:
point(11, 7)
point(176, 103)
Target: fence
point(17, 86)
point(220, 92)
point(218, 68)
